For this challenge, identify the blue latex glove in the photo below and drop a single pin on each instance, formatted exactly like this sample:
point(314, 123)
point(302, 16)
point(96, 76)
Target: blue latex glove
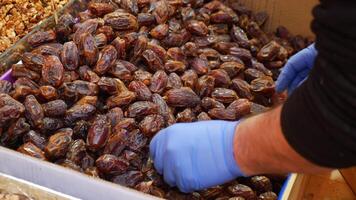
point(296, 70)
point(194, 156)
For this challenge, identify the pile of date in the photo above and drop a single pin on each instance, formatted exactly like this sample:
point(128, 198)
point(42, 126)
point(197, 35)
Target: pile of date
point(96, 88)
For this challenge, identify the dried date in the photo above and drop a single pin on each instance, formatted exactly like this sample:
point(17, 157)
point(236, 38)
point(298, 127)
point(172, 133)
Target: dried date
point(88, 49)
point(141, 108)
point(98, 133)
point(32, 150)
point(121, 21)
point(224, 95)
point(19, 70)
point(41, 37)
point(5, 86)
point(35, 138)
point(121, 99)
point(151, 124)
point(48, 92)
point(54, 108)
point(159, 82)
point(58, 144)
point(106, 59)
point(205, 85)
point(34, 111)
point(53, 71)
point(100, 9)
point(70, 56)
point(111, 165)
point(183, 97)
point(142, 91)
point(76, 151)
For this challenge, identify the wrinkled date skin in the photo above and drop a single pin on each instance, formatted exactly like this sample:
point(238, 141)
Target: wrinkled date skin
point(142, 91)
point(121, 21)
point(34, 111)
point(141, 108)
point(111, 165)
point(224, 95)
point(53, 71)
point(159, 82)
point(41, 37)
point(15, 131)
point(32, 150)
point(117, 142)
point(151, 124)
point(54, 108)
point(98, 133)
point(37, 139)
point(183, 97)
point(88, 49)
point(78, 112)
point(76, 151)
point(5, 86)
point(58, 144)
point(106, 59)
point(70, 56)
point(9, 109)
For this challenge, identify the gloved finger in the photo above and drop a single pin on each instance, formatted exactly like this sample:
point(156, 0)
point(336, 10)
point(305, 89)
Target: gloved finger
point(298, 79)
point(168, 171)
point(157, 150)
point(188, 183)
point(299, 62)
point(287, 75)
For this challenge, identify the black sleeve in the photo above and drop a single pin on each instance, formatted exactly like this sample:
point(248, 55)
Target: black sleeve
point(319, 118)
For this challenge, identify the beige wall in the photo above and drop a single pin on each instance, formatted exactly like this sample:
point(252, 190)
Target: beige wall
point(294, 14)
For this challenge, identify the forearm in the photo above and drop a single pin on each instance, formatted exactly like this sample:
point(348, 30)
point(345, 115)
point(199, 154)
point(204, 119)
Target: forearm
point(260, 147)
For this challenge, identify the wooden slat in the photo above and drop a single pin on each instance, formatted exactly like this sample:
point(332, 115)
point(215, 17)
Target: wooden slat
point(350, 177)
point(296, 15)
point(319, 187)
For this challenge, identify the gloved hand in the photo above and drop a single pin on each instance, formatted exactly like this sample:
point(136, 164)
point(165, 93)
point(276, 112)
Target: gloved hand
point(296, 70)
point(194, 156)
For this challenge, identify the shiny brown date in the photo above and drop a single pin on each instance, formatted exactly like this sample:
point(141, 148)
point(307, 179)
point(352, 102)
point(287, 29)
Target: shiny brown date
point(111, 165)
point(58, 144)
point(54, 108)
point(121, 99)
point(141, 108)
point(32, 150)
point(119, 20)
point(88, 49)
point(19, 70)
point(151, 124)
point(100, 9)
point(142, 91)
point(159, 82)
point(98, 133)
point(117, 142)
point(106, 59)
point(36, 138)
point(34, 111)
point(70, 56)
point(183, 97)
point(53, 71)
point(186, 115)
point(48, 92)
point(205, 85)
point(5, 86)
point(41, 37)
point(224, 95)
point(76, 151)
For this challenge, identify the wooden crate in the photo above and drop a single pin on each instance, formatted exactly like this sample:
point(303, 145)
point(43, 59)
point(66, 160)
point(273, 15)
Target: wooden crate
point(330, 186)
